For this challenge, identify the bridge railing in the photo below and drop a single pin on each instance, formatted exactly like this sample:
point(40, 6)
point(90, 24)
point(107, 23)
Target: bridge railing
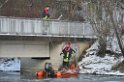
point(38, 27)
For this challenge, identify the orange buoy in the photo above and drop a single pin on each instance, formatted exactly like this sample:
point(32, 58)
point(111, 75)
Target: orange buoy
point(40, 74)
point(58, 74)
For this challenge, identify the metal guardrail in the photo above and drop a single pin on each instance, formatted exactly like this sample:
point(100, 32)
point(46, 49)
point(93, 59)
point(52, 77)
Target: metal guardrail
point(38, 27)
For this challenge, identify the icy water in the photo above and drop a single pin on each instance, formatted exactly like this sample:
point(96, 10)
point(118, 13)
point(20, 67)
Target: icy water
point(15, 77)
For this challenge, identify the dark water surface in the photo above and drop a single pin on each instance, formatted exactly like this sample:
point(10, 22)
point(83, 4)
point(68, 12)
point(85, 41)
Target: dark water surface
point(15, 77)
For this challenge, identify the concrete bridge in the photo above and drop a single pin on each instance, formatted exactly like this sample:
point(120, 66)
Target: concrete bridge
point(48, 28)
point(33, 37)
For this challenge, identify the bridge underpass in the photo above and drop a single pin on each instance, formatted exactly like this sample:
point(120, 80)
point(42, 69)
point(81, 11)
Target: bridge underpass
point(29, 38)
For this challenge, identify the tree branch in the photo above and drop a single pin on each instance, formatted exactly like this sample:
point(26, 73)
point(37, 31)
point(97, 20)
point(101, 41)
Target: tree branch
point(3, 4)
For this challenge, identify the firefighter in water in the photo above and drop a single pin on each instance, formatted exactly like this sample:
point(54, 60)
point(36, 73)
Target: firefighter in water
point(67, 52)
point(45, 13)
point(49, 70)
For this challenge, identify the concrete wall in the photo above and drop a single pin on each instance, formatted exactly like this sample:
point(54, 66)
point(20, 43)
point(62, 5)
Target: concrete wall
point(24, 48)
point(30, 64)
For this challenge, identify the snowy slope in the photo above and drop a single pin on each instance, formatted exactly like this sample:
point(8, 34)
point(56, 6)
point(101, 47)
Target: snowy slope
point(97, 65)
point(10, 65)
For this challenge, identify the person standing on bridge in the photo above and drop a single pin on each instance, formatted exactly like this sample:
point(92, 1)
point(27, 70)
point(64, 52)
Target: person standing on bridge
point(67, 52)
point(45, 13)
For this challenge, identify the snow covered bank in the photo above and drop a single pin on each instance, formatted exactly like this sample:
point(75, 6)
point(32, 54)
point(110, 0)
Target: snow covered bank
point(99, 65)
point(10, 65)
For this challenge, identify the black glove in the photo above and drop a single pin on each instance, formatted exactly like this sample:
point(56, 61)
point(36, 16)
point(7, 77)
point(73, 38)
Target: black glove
point(61, 54)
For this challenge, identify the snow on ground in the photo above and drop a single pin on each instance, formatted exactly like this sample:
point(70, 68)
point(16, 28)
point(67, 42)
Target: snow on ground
point(10, 65)
point(97, 65)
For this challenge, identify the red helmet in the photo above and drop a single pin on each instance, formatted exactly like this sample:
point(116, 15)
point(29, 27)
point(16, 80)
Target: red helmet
point(46, 8)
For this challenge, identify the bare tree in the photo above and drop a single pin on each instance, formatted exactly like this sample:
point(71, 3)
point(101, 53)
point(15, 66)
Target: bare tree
point(109, 7)
point(99, 25)
point(103, 21)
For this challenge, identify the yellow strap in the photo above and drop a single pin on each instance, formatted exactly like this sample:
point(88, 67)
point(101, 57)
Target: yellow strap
point(72, 54)
point(67, 54)
point(66, 60)
point(46, 17)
